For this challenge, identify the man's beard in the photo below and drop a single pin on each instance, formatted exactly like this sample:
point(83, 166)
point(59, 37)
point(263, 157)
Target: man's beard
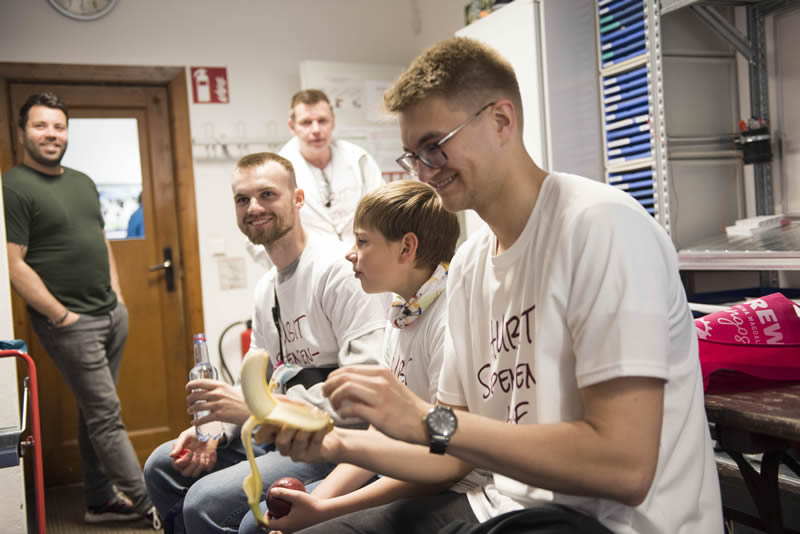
point(36, 154)
point(267, 236)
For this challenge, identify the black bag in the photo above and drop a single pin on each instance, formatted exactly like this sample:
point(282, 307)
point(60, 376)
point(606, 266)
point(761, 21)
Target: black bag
point(546, 518)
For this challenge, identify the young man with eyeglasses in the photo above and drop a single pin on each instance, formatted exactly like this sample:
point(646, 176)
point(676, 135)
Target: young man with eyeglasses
point(310, 316)
point(571, 368)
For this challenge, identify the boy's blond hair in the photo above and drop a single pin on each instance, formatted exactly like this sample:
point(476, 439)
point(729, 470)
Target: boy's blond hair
point(404, 206)
point(458, 69)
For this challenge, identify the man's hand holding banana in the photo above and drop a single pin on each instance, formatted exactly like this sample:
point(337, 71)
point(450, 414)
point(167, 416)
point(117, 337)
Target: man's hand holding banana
point(267, 409)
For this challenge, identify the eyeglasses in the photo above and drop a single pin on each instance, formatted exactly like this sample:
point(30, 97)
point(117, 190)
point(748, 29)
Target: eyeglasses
point(432, 155)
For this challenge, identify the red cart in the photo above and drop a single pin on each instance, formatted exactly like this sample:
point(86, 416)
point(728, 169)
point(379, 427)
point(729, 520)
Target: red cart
point(33, 441)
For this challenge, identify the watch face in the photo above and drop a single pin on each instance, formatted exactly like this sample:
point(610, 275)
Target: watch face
point(83, 9)
point(442, 421)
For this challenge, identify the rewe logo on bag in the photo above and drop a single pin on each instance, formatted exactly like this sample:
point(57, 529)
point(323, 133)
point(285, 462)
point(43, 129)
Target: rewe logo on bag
point(750, 342)
point(771, 320)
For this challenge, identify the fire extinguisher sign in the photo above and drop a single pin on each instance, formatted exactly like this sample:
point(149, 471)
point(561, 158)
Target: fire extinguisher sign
point(210, 85)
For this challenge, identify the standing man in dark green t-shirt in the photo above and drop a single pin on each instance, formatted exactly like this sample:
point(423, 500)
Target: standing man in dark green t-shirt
point(61, 264)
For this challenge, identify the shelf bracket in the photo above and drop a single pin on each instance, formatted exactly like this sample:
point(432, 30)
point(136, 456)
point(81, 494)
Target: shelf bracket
point(729, 32)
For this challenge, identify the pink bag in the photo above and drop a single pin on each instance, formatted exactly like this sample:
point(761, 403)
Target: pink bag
point(755, 342)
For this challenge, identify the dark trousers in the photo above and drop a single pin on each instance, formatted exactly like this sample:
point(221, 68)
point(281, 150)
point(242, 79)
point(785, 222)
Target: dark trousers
point(450, 513)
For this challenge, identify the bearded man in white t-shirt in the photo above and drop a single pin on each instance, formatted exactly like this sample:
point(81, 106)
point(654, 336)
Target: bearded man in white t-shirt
point(311, 316)
point(571, 367)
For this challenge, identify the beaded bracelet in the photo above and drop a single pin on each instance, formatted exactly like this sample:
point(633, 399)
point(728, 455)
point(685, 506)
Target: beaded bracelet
point(59, 321)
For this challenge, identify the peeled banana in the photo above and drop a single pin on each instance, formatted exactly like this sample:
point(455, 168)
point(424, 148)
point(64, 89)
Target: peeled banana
point(266, 409)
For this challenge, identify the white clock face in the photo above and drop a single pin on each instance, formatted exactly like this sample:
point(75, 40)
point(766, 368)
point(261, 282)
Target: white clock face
point(83, 9)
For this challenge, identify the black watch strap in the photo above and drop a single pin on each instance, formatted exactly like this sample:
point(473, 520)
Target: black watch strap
point(438, 446)
point(441, 423)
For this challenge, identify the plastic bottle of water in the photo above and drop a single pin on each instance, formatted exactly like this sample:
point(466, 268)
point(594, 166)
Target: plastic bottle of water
point(204, 369)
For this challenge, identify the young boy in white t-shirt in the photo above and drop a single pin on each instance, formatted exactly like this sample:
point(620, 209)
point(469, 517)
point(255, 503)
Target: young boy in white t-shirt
point(404, 240)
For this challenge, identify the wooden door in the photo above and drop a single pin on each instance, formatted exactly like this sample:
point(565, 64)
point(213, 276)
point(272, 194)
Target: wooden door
point(157, 355)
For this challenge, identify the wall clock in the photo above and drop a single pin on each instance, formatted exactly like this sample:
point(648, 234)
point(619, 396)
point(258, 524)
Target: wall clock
point(83, 9)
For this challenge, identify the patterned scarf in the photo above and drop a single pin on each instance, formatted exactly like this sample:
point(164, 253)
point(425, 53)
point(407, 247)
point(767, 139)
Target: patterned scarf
point(404, 313)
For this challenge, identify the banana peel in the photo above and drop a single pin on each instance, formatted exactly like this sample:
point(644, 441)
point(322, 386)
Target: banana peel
point(265, 408)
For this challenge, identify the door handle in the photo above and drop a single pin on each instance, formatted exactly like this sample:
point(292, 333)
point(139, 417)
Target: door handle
point(161, 266)
point(168, 268)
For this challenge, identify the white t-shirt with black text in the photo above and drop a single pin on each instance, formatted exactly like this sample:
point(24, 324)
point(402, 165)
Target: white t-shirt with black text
point(589, 292)
point(322, 309)
point(414, 354)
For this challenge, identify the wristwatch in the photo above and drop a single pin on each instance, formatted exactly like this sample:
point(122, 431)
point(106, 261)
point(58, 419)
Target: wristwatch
point(441, 423)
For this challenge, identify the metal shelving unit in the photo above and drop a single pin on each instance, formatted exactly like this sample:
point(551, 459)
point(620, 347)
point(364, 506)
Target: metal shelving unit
point(668, 6)
point(634, 136)
point(629, 35)
point(775, 249)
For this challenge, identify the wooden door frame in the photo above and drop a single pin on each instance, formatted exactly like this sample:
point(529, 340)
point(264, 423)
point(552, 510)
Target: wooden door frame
point(174, 80)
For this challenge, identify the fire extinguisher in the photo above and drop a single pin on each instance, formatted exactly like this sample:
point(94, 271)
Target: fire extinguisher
point(244, 338)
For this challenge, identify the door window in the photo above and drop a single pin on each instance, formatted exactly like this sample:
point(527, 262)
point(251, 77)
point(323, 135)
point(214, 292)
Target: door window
point(108, 151)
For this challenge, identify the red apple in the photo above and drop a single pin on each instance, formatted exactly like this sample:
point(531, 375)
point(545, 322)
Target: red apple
point(278, 507)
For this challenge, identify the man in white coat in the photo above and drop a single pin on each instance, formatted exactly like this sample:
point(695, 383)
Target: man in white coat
point(334, 174)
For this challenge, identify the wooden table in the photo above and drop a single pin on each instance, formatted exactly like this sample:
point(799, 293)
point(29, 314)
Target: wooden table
point(761, 421)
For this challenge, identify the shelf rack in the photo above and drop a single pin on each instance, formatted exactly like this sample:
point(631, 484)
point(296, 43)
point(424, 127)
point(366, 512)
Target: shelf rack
point(635, 137)
point(775, 249)
point(222, 149)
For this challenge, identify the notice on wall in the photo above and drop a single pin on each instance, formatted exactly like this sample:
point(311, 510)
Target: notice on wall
point(210, 85)
point(231, 273)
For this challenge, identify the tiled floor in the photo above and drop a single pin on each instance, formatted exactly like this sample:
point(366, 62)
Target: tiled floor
point(64, 508)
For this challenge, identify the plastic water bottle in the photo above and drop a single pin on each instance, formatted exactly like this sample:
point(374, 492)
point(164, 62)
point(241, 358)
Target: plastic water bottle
point(204, 369)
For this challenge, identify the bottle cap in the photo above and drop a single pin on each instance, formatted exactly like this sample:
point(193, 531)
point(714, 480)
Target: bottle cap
point(199, 337)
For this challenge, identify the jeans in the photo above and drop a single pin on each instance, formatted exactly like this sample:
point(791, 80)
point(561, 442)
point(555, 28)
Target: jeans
point(215, 501)
point(88, 354)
